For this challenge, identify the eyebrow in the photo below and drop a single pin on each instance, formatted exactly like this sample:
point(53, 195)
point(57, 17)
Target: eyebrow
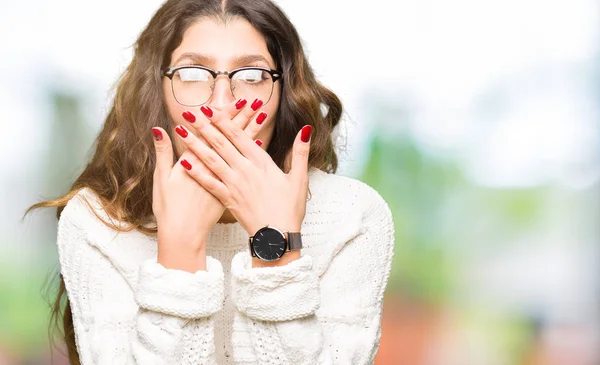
point(242, 60)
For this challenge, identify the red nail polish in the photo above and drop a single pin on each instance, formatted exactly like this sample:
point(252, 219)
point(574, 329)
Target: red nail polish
point(186, 165)
point(189, 116)
point(157, 134)
point(207, 111)
point(306, 131)
point(181, 131)
point(258, 142)
point(261, 118)
point(240, 104)
point(256, 104)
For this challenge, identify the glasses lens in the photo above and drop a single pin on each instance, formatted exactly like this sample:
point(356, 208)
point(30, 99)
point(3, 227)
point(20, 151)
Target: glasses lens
point(192, 86)
point(252, 84)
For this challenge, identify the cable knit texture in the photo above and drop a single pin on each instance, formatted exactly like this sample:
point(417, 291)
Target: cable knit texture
point(180, 293)
point(324, 308)
point(275, 294)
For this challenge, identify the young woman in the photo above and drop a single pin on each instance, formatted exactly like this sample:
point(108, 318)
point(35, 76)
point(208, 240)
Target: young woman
point(208, 227)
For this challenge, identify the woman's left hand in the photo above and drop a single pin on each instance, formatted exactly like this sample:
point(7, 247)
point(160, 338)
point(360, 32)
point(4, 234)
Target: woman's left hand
point(251, 185)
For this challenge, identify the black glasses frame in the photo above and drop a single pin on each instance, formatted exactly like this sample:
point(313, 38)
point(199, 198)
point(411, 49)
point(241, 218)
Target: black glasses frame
point(169, 72)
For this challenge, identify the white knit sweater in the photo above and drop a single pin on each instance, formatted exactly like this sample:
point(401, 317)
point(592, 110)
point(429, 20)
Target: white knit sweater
point(324, 308)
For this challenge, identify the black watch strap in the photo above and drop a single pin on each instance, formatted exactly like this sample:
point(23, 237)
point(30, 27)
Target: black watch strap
point(294, 240)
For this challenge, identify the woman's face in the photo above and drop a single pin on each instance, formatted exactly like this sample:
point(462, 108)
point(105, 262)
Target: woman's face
point(222, 47)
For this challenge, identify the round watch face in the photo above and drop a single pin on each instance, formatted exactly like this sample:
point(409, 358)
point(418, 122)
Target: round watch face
point(269, 244)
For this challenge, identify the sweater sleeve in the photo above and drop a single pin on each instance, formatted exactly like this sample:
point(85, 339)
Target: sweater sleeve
point(163, 317)
point(290, 315)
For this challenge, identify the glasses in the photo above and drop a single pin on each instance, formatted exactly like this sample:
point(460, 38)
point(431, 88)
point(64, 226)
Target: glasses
point(194, 85)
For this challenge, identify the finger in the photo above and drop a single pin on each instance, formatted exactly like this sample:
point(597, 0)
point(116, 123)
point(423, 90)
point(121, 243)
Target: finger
point(242, 140)
point(221, 140)
point(211, 158)
point(300, 152)
point(232, 109)
point(198, 165)
point(164, 154)
point(254, 127)
point(245, 115)
point(191, 119)
point(208, 182)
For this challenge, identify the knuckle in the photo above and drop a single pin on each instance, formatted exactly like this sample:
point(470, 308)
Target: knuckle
point(303, 152)
point(248, 112)
point(253, 129)
point(229, 202)
point(235, 132)
point(162, 148)
point(217, 123)
point(211, 160)
point(211, 184)
point(200, 126)
point(207, 171)
point(218, 143)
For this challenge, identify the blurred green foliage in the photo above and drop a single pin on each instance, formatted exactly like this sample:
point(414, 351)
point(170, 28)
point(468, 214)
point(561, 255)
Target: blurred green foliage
point(28, 276)
point(414, 185)
point(438, 213)
point(23, 302)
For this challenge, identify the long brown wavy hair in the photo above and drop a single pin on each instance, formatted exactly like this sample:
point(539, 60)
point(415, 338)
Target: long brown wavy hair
point(121, 168)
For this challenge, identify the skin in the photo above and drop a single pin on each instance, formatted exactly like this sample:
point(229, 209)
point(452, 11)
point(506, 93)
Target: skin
point(228, 169)
point(223, 44)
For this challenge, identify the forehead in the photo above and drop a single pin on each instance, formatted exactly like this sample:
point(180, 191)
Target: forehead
point(222, 42)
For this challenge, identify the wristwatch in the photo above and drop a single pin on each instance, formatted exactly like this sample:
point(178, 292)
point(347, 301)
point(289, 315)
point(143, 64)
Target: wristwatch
point(270, 244)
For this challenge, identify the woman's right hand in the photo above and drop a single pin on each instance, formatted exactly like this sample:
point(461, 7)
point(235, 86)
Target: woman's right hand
point(185, 212)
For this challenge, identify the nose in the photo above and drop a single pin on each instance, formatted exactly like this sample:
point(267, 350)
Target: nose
point(221, 95)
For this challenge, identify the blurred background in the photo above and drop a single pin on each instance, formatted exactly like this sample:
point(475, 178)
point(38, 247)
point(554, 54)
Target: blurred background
point(477, 121)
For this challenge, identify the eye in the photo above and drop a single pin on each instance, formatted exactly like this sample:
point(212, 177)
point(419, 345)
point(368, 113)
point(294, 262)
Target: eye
point(193, 75)
point(251, 76)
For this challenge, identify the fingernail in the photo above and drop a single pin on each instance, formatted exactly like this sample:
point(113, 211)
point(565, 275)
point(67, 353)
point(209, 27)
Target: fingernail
point(207, 111)
point(186, 165)
point(240, 104)
point(306, 131)
point(181, 131)
point(256, 104)
point(258, 142)
point(261, 118)
point(189, 116)
point(157, 134)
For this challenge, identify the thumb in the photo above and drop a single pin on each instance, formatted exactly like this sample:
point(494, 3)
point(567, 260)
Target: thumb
point(300, 152)
point(164, 154)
